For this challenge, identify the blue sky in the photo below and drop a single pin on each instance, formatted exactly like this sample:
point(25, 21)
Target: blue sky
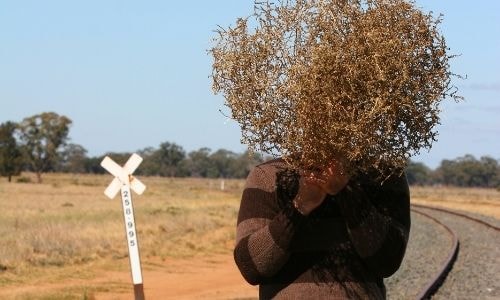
point(132, 74)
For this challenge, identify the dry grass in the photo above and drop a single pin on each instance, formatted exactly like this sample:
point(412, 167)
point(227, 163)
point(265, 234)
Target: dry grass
point(477, 200)
point(66, 227)
point(63, 233)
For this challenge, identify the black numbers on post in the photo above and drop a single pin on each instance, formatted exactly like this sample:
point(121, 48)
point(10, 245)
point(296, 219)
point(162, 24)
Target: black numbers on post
point(129, 219)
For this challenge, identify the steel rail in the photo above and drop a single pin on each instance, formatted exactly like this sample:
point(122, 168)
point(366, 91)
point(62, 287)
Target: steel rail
point(458, 214)
point(439, 278)
point(434, 284)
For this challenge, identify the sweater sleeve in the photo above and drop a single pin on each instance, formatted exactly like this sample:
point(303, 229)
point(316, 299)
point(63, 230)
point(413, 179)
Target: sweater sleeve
point(264, 231)
point(379, 223)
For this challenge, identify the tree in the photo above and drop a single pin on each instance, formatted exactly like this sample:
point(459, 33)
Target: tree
point(120, 158)
point(467, 171)
point(73, 159)
point(418, 173)
point(10, 153)
point(244, 163)
point(490, 171)
point(42, 136)
point(148, 167)
point(164, 161)
point(93, 165)
point(457, 172)
point(223, 160)
point(168, 157)
point(199, 164)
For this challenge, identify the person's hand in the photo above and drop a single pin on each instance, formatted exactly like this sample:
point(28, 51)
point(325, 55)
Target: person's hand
point(315, 185)
point(310, 194)
point(332, 179)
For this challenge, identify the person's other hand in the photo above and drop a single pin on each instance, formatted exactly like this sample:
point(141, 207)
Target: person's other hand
point(315, 185)
point(332, 179)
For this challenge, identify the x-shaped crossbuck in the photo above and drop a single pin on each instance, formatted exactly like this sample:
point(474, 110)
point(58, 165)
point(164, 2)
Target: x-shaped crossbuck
point(123, 175)
point(124, 182)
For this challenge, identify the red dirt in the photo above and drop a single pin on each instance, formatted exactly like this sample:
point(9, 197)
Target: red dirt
point(202, 278)
point(214, 277)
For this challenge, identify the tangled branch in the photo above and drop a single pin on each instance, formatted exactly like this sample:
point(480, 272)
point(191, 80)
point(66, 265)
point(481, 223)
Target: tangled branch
point(315, 80)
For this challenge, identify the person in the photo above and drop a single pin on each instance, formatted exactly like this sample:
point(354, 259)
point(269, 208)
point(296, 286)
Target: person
point(321, 234)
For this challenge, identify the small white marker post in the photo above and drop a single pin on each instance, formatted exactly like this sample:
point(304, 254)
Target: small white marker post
point(124, 181)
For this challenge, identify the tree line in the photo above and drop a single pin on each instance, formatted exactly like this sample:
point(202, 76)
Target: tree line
point(40, 144)
point(465, 171)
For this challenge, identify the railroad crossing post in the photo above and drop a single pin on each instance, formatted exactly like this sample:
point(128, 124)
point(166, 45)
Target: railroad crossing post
point(124, 182)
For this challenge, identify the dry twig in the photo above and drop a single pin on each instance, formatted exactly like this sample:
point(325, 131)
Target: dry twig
point(314, 80)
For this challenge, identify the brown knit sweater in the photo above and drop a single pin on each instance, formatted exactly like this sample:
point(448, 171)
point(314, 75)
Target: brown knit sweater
point(342, 250)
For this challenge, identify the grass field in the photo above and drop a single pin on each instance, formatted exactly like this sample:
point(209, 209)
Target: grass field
point(476, 200)
point(66, 229)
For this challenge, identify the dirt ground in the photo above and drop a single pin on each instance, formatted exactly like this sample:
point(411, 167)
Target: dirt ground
point(214, 277)
point(196, 278)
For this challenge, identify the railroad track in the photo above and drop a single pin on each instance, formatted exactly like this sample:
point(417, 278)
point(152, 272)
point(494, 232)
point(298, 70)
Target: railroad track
point(434, 284)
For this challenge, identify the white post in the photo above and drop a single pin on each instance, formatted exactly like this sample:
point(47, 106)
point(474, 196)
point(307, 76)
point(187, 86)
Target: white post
point(123, 182)
point(133, 246)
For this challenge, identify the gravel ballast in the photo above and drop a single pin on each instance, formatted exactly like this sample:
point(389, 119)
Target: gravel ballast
point(475, 274)
point(428, 247)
